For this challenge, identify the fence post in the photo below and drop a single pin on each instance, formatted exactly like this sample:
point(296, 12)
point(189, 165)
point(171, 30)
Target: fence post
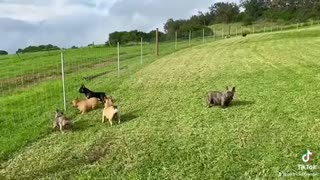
point(203, 35)
point(63, 83)
point(222, 32)
point(118, 59)
point(176, 40)
point(189, 38)
point(157, 42)
point(141, 49)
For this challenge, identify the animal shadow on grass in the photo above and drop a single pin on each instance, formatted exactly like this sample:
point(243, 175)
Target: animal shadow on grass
point(82, 125)
point(241, 103)
point(126, 117)
point(85, 124)
point(66, 165)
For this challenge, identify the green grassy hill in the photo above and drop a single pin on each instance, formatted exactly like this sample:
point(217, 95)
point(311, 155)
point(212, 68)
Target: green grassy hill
point(168, 132)
point(256, 27)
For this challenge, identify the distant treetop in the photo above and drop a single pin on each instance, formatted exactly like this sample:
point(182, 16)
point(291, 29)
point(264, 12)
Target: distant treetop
point(48, 47)
point(2, 53)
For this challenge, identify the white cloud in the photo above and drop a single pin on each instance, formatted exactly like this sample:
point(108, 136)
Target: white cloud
point(79, 22)
point(36, 10)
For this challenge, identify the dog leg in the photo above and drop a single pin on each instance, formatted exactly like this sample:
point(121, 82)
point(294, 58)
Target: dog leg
point(110, 121)
point(117, 112)
point(223, 104)
point(61, 128)
point(209, 102)
point(102, 118)
point(54, 125)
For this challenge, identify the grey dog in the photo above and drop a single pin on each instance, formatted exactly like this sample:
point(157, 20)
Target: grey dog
point(216, 98)
point(60, 121)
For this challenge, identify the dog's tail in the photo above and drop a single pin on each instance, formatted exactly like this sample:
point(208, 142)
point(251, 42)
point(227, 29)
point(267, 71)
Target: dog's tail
point(117, 111)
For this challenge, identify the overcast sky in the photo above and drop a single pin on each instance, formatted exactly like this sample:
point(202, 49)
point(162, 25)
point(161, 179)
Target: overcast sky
point(80, 22)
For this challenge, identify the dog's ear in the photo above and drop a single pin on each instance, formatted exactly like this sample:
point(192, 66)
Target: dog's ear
point(109, 102)
point(58, 111)
point(227, 88)
point(234, 89)
point(113, 99)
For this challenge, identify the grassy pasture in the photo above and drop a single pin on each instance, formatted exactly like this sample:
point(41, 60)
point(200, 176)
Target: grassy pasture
point(31, 85)
point(257, 27)
point(167, 130)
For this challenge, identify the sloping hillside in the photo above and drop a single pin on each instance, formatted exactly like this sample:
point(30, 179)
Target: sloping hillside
point(168, 132)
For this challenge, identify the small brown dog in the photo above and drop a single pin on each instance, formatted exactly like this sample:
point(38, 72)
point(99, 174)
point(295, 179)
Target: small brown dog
point(86, 105)
point(110, 111)
point(61, 121)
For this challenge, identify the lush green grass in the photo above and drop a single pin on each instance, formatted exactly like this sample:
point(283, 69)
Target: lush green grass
point(167, 130)
point(29, 103)
point(22, 70)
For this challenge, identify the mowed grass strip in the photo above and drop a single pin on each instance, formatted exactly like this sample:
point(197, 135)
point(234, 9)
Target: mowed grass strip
point(168, 132)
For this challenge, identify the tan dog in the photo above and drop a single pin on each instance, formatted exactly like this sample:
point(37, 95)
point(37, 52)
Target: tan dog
point(86, 105)
point(110, 111)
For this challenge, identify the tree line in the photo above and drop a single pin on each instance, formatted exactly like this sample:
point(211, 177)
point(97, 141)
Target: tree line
point(2, 52)
point(247, 12)
point(125, 37)
point(283, 10)
point(48, 47)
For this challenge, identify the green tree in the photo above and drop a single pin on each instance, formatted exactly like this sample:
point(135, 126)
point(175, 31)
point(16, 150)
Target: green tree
point(287, 10)
point(125, 37)
point(254, 9)
point(48, 47)
point(225, 12)
point(2, 52)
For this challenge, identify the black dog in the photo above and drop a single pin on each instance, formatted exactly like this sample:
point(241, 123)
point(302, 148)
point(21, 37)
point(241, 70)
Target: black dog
point(89, 94)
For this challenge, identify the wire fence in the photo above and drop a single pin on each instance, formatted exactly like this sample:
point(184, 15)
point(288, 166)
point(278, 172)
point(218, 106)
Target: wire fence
point(31, 85)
